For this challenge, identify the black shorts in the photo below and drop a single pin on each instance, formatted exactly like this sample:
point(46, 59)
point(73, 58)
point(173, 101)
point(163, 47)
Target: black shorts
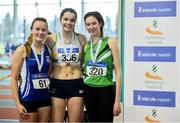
point(67, 88)
point(32, 106)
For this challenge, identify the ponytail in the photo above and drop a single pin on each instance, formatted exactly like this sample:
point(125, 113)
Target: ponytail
point(28, 44)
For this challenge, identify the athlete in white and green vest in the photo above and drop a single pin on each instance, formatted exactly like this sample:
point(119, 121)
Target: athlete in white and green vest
point(101, 54)
point(67, 84)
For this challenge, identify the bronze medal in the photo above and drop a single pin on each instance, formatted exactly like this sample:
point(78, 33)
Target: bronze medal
point(68, 64)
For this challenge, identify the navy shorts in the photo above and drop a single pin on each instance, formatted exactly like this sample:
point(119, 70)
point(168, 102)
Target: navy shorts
point(32, 106)
point(66, 88)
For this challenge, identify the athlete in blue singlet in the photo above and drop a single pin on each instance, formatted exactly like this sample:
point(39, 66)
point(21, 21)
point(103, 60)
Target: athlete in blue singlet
point(32, 63)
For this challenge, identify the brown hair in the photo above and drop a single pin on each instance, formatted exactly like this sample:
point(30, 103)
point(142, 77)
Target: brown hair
point(99, 17)
point(68, 10)
point(30, 38)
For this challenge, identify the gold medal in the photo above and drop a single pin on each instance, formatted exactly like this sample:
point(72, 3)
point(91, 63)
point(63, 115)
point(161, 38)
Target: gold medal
point(68, 64)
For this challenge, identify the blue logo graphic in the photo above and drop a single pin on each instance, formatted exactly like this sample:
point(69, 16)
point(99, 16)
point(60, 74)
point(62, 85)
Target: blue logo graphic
point(75, 50)
point(61, 50)
point(154, 98)
point(155, 54)
point(155, 9)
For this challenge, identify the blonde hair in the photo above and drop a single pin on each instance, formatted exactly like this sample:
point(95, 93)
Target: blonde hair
point(28, 44)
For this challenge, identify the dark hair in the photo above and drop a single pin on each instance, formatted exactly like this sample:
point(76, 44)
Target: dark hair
point(98, 16)
point(68, 10)
point(39, 19)
point(30, 38)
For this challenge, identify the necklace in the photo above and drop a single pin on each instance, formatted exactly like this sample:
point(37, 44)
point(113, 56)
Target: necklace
point(66, 41)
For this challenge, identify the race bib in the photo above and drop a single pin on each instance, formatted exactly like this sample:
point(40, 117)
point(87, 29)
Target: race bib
point(97, 69)
point(74, 57)
point(68, 55)
point(40, 81)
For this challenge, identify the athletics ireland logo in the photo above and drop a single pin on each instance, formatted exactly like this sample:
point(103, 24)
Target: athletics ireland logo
point(153, 30)
point(152, 74)
point(152, 119)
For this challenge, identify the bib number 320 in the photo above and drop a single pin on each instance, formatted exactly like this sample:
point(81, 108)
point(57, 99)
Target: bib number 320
point(96, 71)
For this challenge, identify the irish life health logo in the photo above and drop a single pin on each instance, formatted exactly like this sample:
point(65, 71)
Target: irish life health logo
point(154, 98)
point(153, 34)
point(155, 53)
point(155, 9)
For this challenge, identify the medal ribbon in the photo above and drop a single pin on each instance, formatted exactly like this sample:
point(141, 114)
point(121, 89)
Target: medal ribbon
point(36, 57)
point(94, 56)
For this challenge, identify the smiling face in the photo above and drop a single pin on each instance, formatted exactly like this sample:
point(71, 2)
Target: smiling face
point(68, 21)
point(39, 31)
point(93, 26)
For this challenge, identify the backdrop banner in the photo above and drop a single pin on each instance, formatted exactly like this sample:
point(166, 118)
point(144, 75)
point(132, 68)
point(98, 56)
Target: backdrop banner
point(151, 61)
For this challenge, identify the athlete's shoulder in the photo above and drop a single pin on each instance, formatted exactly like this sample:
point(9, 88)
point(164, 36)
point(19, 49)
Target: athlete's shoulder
point(50, 40)
point(81, 38)
point(112, 42)
point(20, 51)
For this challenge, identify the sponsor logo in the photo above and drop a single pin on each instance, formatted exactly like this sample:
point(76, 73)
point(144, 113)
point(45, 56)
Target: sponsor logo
point(154, 98)
point(68, 50)
point(154, 80)
point(41, 75)
point(154, 35)
point(155, 9)
point(152, 75)
point(155, 53)
point(61, 50)
point(152, 118)
point(153, 30)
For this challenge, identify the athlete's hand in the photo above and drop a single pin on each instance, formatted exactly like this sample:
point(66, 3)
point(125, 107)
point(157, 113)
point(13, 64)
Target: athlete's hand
point(117, 108)
point(22, 112)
